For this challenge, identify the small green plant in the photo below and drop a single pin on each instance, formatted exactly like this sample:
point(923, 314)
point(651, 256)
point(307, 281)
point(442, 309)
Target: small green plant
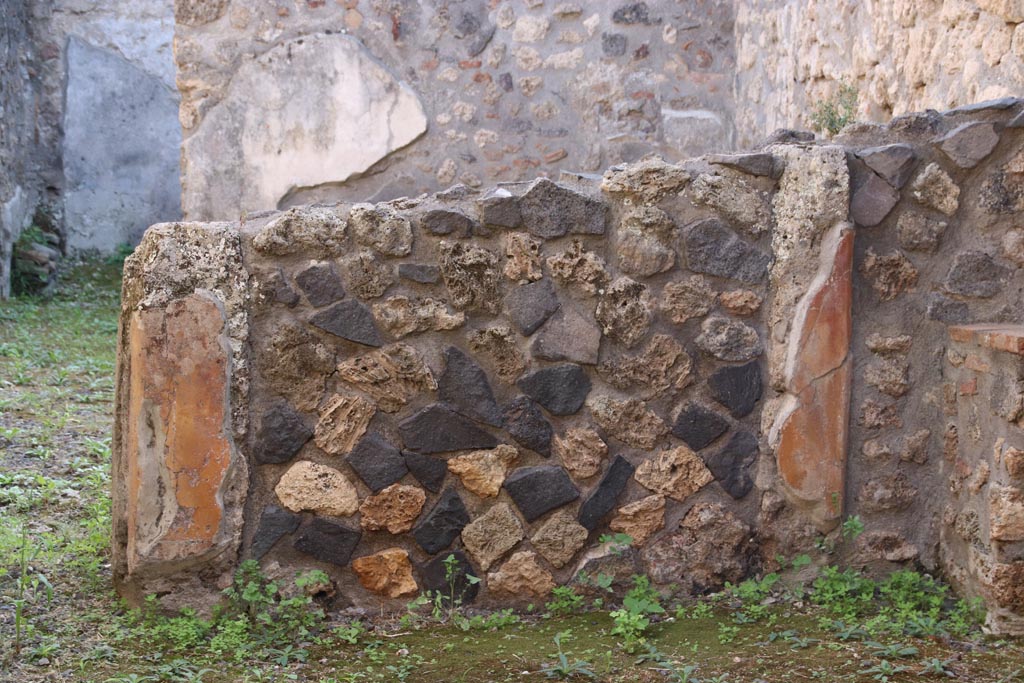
point(786, 635)
point(256, 620)
point(633, 619)
point(936, 666)
point(287, 654)
point(563, 669)
point(965, 616)
point(618, 543)
point(845, 593)
point(852, 527)
point(665, 666)
point(883, 671)
point(699, 610)
point(255, 605)
point(602, 582)
point(25, 278)
point(564, 601)
point(183, 632)
point(800, 561)
point(727, 633)
point(845, 633)
point(44, 650)
point(445, 605)
point(181, 671)
point(802, 642)
point(29, 586)
point(350, 634)
point(494, 621)
point(892, 651)
point(831, 115)
point(405, 668)
point(751, 594)
point(232, 636)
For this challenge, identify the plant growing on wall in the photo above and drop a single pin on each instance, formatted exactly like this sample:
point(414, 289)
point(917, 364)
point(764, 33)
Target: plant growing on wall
point(832, 114)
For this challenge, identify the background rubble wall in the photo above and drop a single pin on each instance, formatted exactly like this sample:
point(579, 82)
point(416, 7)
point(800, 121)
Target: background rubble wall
point(419, 95)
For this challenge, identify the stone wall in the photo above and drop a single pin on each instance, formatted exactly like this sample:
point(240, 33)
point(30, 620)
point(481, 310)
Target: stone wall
point(285, 103)
point(983, 465)
point(90, 131)
point(902, 55)
point(945, 253)
point(108, 117)
point(17, 103)
point(722, 358)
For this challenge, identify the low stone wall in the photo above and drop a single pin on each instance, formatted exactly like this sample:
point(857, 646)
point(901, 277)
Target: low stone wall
point(721, 358)
point(982, 544)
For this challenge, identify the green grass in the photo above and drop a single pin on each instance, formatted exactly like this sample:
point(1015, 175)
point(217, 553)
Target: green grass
point(56, 403)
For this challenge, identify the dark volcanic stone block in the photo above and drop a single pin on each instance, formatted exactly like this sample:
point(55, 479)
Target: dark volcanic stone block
point(561, 389)
point(525, 422)
point(698, 426)
point(442, 524)
point(975, 274)
point(274, 523)
point(712, 248)
point(731, 465)
point(737, 387)
point(278, 289)
point(948, 311)
point(378, 463)
point(894, 163)
point(328, 541)
point(349, 320)
point(428, 471)
point(613, 44)
point(529, 306)
point(419, 272)
point(994, 105)
point(634, 13)
point(446, 222)
point(434, 578)
point(969, 143)
point(872, 197)
point(463, 385)
point(550, 210)
point(607, 493)
point(499, 208)
point(753, 163)
point(280, 433)
point(536, 490)
point(321, 284)
point(439, 429)
point(568, 335)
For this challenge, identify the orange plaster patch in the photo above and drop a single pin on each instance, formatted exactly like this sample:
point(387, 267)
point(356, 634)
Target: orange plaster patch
point(177, 443)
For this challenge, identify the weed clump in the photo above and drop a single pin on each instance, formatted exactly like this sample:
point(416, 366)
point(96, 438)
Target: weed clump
point(832, 114)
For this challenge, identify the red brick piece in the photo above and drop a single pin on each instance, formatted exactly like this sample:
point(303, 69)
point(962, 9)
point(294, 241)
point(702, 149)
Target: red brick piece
point(996, 336)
